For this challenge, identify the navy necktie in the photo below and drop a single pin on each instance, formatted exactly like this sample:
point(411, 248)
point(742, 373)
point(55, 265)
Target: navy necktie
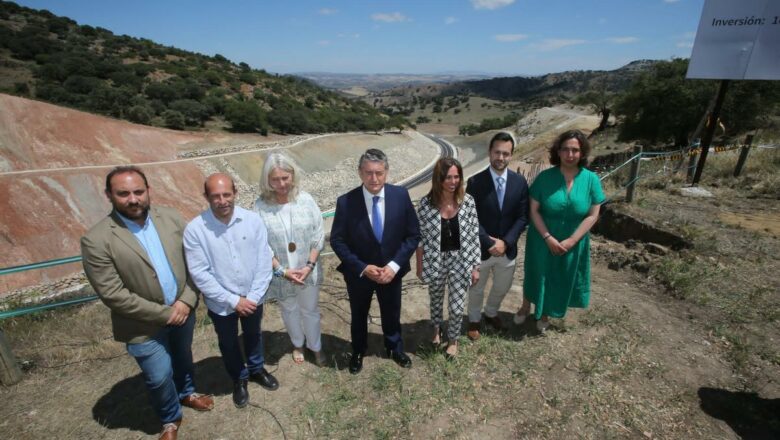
point(376, 219)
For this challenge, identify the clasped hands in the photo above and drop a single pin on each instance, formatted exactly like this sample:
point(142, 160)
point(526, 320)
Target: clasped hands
point(559, 247)
point(499, 247)
point(298, 276)
point(379, 275)
point(245, 307)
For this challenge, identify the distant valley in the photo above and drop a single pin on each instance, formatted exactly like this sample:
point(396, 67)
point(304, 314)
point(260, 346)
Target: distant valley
point(357, 84)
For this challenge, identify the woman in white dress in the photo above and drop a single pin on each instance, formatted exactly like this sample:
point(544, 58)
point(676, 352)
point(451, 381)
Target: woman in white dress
point(296, 237)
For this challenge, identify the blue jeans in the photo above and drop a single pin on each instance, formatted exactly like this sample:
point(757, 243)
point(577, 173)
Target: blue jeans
point(166, 365)
point(227, 335)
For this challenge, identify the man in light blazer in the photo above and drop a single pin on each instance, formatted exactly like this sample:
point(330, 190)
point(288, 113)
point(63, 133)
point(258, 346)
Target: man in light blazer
point(134, 260)
point(374, 233)
point(501, 196)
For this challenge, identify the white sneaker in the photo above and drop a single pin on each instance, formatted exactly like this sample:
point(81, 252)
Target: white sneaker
point(542, 325)
point(519, 319)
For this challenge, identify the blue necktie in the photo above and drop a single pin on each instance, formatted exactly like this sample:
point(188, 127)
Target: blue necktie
point(376, 219)
point(500, 191)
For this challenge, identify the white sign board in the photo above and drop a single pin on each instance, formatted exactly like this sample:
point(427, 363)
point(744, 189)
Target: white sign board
point(737, 39)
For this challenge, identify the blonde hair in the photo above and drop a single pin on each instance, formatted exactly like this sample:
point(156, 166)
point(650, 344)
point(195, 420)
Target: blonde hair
point(284, 163)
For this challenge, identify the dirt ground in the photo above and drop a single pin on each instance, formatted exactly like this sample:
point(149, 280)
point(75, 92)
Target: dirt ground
point(637, 364)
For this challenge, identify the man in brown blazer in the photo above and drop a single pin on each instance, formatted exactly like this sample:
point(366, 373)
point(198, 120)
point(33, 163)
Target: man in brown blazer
point(134, 259)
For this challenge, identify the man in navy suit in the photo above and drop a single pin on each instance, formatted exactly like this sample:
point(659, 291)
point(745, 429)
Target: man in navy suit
point(374, 233)
point(501, 196)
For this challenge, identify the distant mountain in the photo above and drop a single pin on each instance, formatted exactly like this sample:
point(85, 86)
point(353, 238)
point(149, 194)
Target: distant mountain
point(544, 89)
point(54, 59)
point(553, 85)
point(379, 82)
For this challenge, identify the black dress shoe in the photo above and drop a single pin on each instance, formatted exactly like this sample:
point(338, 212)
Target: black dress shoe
point(240, 393)
point(400, 358)
point(265, 379)
point(356, 363)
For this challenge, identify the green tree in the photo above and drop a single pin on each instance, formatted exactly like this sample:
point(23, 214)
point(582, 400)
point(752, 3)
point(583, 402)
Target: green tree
point(141, 114)
point(164, 92)
point(193, 111)
point(601, 101)
point(398, 122)
point(245, 116)
point(173, 119)
point(661, 105)
point(109, 100)
point(81, 84)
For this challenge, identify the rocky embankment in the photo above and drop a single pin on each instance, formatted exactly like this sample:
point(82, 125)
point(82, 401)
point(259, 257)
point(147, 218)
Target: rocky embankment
point(242, 148)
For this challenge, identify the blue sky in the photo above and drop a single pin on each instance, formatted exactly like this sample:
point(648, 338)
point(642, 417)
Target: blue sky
point(511, 37)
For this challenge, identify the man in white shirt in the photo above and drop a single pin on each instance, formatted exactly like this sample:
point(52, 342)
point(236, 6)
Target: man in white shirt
point(229, 260)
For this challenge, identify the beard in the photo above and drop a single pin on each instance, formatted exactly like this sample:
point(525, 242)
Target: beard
point(499, 165)
point(132, 212)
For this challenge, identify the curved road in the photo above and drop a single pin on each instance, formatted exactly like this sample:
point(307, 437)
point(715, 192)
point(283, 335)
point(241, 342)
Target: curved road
point(446, 149)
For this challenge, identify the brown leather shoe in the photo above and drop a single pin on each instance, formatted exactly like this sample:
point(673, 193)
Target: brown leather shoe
point(473, 332)
point(170, 430)
point(494, 322)
point(198, 402)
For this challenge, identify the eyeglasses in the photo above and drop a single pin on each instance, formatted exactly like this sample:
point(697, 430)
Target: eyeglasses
point(570, 150)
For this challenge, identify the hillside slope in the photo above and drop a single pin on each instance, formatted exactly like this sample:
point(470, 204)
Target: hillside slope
point(54, 59)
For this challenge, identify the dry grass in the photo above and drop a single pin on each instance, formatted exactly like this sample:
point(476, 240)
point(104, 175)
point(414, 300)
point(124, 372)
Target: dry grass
point(623, 368)
point(729, 277)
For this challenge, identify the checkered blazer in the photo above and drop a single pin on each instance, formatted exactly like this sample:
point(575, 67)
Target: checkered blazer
point(430, 231)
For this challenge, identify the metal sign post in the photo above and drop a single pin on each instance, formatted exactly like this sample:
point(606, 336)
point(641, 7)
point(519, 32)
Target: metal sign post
point(709, 130)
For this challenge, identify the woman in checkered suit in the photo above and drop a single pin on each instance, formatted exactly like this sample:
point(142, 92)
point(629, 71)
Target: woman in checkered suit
point(449, 250)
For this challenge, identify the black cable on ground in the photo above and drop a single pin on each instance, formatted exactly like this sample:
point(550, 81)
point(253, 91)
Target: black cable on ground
point(284, 434)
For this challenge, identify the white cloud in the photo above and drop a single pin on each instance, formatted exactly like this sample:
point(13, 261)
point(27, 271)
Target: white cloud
point(685, 40)
point(509, 38)
point(555, 44)
point(671, 1)
point(450, 20)
point(491, 4)
point(395, 17)
point(323, 43)
point(623, 40)
point(355, 36)
point(328, 11)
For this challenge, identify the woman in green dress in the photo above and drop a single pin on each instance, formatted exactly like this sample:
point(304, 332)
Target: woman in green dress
point(565, 202)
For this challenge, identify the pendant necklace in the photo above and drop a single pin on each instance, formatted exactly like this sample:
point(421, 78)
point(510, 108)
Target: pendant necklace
point(291, 247)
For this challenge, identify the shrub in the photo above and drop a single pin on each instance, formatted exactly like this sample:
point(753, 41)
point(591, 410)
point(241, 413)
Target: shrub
point(173, 119)
point(141, 114)
point(194, 112)
point(244, 116)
